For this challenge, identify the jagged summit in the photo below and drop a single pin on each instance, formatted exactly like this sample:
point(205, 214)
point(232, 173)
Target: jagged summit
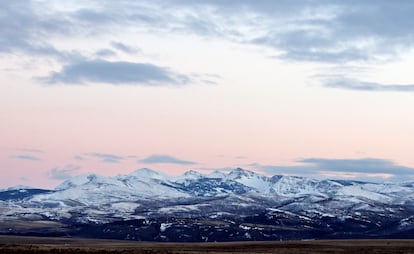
point(239, 173)
point(191, 174)
point(251, 179)
point(79, 180)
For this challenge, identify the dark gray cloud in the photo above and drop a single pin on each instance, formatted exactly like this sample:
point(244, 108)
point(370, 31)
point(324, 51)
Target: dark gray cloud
point(27, 157)
point(366, 168)
point(63, 173)
point(165, 159)
point(353, 84)
point(116, 73)
point(106, 157)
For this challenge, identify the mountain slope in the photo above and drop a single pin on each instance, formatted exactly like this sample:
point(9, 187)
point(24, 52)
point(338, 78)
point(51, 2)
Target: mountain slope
point(218, 204)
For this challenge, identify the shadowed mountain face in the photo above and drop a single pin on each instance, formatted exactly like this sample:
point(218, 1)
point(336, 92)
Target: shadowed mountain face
point(241, 205)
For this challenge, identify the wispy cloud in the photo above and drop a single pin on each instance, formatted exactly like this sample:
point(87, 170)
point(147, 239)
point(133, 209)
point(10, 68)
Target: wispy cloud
point(102, 53)
point(106, 157)
point(24, 24)
point(116, 73)
point(165, 159)
point(78, 158)
point(354, 84)
point(321, 31)
point(365, 168)
point(28, 157)
point(366, 165)
point(125, 48)
point(63, 173)
point(328, 31)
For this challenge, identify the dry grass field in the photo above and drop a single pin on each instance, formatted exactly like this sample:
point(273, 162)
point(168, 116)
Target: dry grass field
point(16, 244)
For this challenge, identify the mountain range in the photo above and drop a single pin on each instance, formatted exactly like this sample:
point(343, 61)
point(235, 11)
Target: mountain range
point(239, 205)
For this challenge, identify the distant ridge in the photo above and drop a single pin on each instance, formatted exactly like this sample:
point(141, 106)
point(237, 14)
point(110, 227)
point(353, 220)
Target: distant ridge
point(238, 205)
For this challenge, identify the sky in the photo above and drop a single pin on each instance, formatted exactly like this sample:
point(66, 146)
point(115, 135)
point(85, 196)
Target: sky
point(321, 89)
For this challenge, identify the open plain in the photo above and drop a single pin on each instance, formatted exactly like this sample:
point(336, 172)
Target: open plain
point(17, 244)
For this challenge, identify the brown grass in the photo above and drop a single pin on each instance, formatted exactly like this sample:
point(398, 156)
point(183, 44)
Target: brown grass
point(26, 245)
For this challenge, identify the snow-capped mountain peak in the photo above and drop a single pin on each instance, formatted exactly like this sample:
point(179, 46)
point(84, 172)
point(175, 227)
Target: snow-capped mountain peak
point(251, 179)
point(19, 187)
point(76, 181)
point(190, 175)
point(216, 174)
point(193, 174)
point(146, 173)
point(239, 173)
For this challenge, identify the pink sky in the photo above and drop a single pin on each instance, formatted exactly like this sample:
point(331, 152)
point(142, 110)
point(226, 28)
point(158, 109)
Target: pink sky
point(203, 89)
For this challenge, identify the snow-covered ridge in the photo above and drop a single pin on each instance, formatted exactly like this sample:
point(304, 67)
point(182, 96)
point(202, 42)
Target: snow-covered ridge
point(149, 184)
point(146, 173)
point(17, 187)
point(144, 192)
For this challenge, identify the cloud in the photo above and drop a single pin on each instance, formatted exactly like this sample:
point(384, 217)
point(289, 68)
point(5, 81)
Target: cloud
point(365, 168)
point(301, 170)
point(106, 157)
point(125, 48)
point(366, 165)
point(78, 158)
point(303, 30)
point(327, 31)
point(105, 53)
point(165, 159)
point(26, 25)
point(116, 73)
point(353, 84)
point(324, 31)
point(63, 173)
point(28, 157)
